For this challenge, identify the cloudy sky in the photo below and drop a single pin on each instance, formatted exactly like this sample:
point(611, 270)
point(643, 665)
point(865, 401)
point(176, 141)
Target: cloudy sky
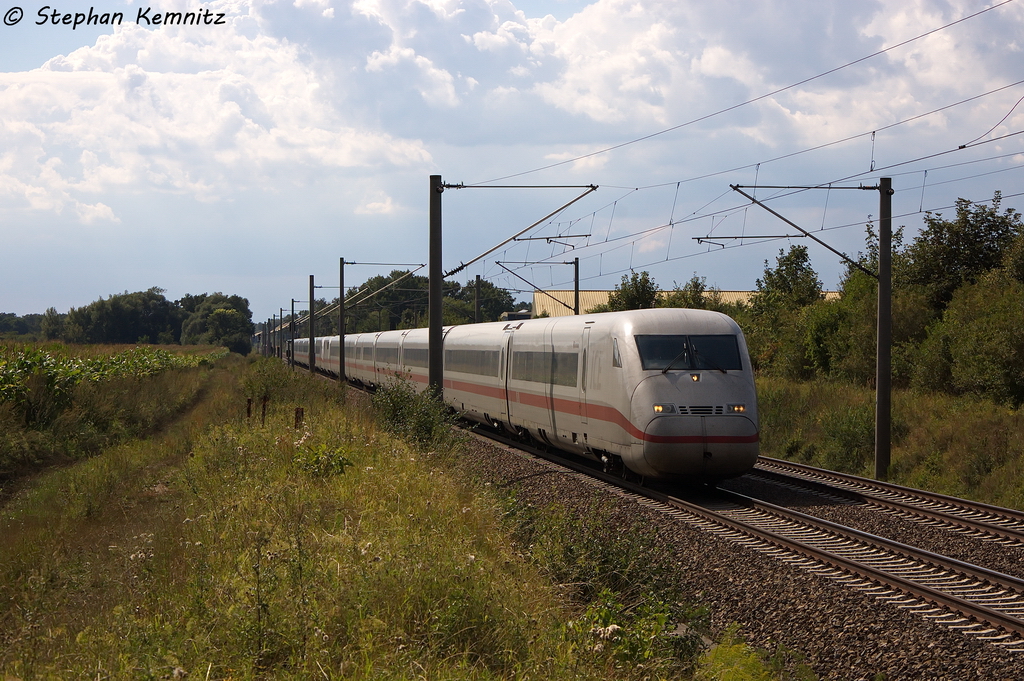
point(245, 156)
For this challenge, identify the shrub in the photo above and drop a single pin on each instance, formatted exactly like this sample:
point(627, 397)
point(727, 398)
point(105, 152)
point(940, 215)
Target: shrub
point(422, 418)
point(850, 437)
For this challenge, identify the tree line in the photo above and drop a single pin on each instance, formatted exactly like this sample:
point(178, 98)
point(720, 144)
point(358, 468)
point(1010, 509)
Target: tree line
point(144, 317)
point(403, 305)
point(957, 309)
point(957, 306)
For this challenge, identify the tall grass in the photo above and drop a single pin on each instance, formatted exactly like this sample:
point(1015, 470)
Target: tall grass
point(233, 547)
point(218, 550)
point(965, 446)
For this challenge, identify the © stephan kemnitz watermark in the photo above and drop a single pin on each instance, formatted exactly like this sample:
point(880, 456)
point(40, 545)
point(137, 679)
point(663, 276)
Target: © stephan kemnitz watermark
point(147, 16)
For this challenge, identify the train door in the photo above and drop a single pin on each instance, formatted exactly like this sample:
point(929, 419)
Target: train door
point(584, 359)
point(504, 369)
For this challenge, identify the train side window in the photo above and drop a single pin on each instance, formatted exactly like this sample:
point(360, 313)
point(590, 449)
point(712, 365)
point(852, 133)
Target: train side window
point(616, 358)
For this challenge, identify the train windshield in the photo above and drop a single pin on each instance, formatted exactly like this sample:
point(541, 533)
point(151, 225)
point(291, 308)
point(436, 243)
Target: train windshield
point(683, 353)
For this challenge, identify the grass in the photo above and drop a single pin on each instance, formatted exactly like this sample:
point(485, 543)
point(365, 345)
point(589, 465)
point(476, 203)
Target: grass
point(230, 547)
point(89, 351)
point(964, 446)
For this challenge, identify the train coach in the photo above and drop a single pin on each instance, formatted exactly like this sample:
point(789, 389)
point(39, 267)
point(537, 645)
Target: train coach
point(668, 392)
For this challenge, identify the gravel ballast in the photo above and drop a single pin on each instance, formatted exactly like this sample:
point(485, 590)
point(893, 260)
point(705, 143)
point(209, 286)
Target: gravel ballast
point(843, 633)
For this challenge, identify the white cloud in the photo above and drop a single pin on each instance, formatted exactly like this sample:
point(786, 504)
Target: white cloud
point(90, 213)
point(301, 111)
point(379, 203)
point(148, 110)
point(595, 162)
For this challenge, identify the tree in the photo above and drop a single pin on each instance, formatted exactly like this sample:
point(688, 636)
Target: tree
point(634, 292)
point(52, 326)
point(695, 295)
point(493, 300)
point(773, 325)
point(220, 320)
point(404, 305)
point(950, 253)
point(792, 285)
point(142, 316)
point(13, 325)
point(395, 307)
point(1013, 260)
point(979, 344)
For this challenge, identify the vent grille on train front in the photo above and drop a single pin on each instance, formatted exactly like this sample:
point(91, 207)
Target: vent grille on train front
point(701, 410)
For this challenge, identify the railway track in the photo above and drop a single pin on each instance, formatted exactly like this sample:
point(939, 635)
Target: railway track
point(981, 603)
point(983, 521)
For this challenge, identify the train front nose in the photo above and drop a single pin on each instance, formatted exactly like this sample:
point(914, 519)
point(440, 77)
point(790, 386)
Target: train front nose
point(701, 446)
point(703, 428)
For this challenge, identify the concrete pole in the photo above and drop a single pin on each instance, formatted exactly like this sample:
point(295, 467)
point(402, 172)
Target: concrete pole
point(291, 328)
point(883, 366)
point(576, 286)
point(312, 326)
point(341, 321)
point(476, 302)
point(435, 353)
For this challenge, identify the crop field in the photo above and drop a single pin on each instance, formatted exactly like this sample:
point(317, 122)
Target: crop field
point(61, 403)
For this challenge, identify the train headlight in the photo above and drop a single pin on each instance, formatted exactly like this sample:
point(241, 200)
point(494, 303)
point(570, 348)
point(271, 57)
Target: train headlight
point(695, 378)
point(664, 409)
point(735, 408)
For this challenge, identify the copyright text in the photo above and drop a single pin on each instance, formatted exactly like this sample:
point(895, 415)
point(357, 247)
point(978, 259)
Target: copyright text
point(47, 16)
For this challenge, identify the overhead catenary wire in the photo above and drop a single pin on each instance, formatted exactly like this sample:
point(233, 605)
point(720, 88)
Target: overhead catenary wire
point(602, 273)
point(673, 221)
point(999, 123)
point(462, 266)
point(823, 145)
point(613, 204)
point(631, 239)
point(746, 102)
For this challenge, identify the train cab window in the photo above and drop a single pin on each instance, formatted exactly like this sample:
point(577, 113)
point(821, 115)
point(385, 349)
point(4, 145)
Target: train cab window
point(716, 352)
point(616, 357)
point(683, 353)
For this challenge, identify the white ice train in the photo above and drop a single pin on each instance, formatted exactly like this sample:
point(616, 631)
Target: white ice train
point(667, 392)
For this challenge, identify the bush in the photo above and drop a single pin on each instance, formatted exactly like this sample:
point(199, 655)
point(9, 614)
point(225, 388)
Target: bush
point(978, 346)
point(422, 418)
point(849, 438)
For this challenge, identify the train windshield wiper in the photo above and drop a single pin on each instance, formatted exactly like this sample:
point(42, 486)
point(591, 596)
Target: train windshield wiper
point(676, 358)
point(707, 361)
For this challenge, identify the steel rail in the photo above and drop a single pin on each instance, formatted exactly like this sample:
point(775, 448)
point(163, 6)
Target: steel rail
point(963, 606)
point(952, 521)
point(975, 611)
point(1007, 523)
point(983, 575)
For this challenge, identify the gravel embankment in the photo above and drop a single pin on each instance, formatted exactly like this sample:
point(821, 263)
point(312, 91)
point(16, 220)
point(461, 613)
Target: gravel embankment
point(844, 634)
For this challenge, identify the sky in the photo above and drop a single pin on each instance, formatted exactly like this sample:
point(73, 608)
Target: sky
point(244, 154)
